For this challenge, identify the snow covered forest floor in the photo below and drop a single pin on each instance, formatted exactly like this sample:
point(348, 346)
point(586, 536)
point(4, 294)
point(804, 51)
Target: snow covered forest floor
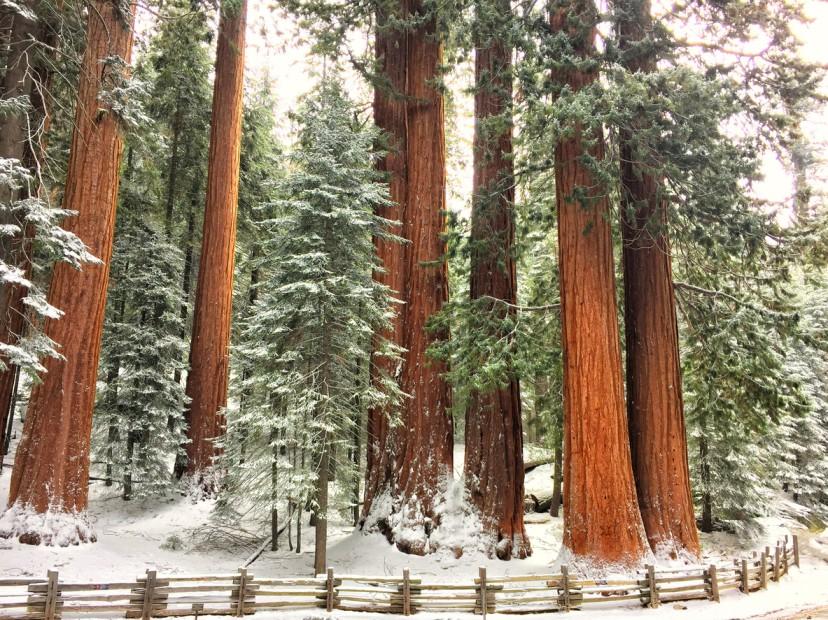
point(168, 536)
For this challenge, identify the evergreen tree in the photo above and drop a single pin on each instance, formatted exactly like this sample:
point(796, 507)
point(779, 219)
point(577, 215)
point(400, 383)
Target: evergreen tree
point(139, 422)
point(140, 412)
point(314, 321)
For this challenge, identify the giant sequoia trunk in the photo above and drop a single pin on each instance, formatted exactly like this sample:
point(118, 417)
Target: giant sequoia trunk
point(409, 460)
point(654, 399)
point(209, 354)
point(494, 435)
point(602, 523)
point(52, 465)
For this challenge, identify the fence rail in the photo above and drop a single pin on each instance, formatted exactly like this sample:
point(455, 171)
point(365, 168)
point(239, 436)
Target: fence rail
point(243, 593)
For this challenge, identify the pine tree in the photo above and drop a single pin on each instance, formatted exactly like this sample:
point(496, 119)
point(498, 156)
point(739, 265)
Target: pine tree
point(177, 67)
point(805, 436)
point(143, 404)
point(139, 415)
point(314, 320)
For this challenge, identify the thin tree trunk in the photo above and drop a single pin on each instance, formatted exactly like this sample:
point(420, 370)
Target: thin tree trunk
point(557, 480)
point(5, 438)
point(209, 355)
point(356, 456)
point(412, 460)
point(186, 285)
point(130, 447)
point(707, 499)
point(602, 522)
point(655, 408)
point(300, 508)
point(172, 180)
point(52, 464)
point(320, 555)
point(274, 493)
point(493, 465)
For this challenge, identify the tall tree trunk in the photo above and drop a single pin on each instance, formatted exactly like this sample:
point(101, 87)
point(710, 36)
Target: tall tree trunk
point(209, 354)
point(655, 408)
point(493, 465)
point(180, 465)
point(320, 554)
point(390, 115)
point(52, 465)
point(707, 498)
point(411, 460)
point(602, 523)
point(557, 480)
point(172, 179)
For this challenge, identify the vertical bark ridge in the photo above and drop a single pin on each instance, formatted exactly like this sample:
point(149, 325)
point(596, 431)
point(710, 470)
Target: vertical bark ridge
point(208, 378)
point(411, 458)
point(602, 523)
point(655, 408)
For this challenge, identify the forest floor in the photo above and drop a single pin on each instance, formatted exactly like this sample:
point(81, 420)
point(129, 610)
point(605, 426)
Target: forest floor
point(168, 536)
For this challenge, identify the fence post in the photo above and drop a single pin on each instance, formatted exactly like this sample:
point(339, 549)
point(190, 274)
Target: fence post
point(714, 582)
point(149, 595)
point(329, 584)
point(565, 583)
point(52, 595)
point(406, 592)
point(651, 581)
point(796, 550)
point(745, 577)
point(776, 563)
point(242, 579)
point(484, 602)
point(763, 571)
point(785, 556)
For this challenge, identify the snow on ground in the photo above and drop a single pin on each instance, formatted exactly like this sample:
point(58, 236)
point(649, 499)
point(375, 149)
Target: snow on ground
point(133, 537)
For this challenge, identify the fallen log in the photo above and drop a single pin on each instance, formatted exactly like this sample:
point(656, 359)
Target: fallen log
point(533, 463)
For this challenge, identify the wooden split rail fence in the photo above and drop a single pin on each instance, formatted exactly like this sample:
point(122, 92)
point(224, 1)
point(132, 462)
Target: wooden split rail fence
point(242, 593)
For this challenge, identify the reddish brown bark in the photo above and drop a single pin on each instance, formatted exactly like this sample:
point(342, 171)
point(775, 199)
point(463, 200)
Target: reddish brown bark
point(52, 462)
point(410, 459)
point(602, 524)
point(655, 408)
point(493, 465)
point(209, 354)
